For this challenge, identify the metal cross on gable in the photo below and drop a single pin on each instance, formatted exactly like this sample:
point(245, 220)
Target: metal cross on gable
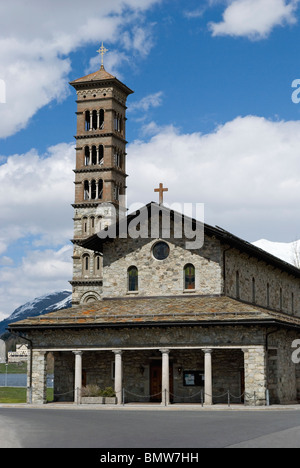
point(102, 51)
point(161, 191)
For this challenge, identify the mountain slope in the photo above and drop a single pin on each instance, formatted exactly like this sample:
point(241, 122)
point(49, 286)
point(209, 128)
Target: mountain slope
point(39, 306)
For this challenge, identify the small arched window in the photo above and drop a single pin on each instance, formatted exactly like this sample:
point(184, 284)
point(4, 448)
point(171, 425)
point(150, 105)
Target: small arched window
point(100, 189)
point(253, 291)
point(93, 190)
point(237, 284)
point(86, 190)
point(94, 155)
point(101, 155)
point(97, 264)
point(101, 119)
point(87, 156)
point(94, 120)
point(86, 264)
point(133, 279)
point(87, 121)
point(189, 277)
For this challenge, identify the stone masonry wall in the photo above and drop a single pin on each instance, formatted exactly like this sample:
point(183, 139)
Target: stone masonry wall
point(160, 277)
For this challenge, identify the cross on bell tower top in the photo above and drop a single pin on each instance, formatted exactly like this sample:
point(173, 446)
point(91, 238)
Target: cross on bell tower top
point(161, 191)
point(102, 51)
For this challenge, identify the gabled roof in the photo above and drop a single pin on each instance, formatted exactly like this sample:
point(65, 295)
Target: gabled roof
point(97, 241)
point(152, 311)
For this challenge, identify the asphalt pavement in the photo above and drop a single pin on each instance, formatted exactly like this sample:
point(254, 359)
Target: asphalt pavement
point(27, 427)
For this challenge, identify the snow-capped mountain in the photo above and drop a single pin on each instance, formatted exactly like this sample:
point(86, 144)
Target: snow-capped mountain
point(39, 306)
point(288, 252)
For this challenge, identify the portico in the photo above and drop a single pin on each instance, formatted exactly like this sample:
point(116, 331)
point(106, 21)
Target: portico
point(187, 374)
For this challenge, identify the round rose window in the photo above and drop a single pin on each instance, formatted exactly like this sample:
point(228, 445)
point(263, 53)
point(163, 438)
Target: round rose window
point(161, 251)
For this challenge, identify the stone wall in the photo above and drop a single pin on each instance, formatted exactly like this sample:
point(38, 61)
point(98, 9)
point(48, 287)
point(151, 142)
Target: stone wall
point(160, 277)
point(268, 282)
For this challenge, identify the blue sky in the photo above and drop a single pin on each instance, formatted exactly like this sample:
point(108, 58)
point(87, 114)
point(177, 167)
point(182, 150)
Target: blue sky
point(212, 117)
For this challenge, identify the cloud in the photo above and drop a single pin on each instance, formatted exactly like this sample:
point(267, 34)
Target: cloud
point(40, 272)
point(37, 37)
point(152, 100)
point(36, 192)
point(246, 172)
point(255, 19)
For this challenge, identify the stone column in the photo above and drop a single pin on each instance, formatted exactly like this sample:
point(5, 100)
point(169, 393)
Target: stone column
point(98, 119)
point(78, 377)
point(255, 376)
point(91, 121)
point(39, 377)
point(165, 388)
point(118, 375)
point(90, 189)
point(208, 388)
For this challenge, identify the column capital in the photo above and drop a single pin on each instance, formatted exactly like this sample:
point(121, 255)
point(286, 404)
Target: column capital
point(117, 351)
point(164, 350)
point(207, 351)
point(77, 352)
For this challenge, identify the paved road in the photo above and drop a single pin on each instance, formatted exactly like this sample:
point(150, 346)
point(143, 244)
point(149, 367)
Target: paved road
point(71, 428)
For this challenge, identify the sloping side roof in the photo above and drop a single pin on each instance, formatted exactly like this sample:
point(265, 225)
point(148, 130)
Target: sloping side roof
point(184, 310)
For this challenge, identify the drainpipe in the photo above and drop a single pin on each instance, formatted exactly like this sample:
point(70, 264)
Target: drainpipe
point(30, 362)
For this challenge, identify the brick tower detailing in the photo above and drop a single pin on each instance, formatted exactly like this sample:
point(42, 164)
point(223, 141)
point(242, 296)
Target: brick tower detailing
point(100, 174)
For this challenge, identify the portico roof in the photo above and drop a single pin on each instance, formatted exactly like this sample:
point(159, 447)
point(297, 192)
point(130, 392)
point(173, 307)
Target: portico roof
point(151, 311)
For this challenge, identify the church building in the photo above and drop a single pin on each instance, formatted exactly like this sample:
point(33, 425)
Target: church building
point(154, 316)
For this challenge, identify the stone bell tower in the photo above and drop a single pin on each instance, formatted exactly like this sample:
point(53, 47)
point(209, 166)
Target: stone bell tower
point(100, 174)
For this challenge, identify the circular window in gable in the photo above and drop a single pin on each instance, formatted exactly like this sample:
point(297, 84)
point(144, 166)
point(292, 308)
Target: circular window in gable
point(161, 251)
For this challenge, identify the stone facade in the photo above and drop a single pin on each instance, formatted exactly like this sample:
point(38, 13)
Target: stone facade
point(240, 362)
point(156, 277)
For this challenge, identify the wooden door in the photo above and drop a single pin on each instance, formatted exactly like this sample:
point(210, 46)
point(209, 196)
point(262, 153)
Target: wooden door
point(156, 382)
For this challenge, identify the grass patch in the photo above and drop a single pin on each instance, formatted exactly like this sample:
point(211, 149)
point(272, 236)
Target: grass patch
point(19, 394)
point(14, 368)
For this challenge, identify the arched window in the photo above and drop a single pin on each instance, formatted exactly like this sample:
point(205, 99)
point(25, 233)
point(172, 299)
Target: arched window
point(87, 121)
point(84, 225)
point(87, 155)
point(97, 264)
point(189, 277)
point(101, 119)
point(253, 291)
point(86, 190)
point(237, 284)
point(100, 189)
point(94, 120)
point(133, 277)
point(86, 264)
point(101, 155)
point(92, 224)
point(94, 155)
point(93, 190)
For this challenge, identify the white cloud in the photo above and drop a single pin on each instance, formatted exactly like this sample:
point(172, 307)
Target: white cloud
point(40, 272)
point(36, 38)
point(255, 19)
point(152, 100)
point(246, 173)
point(36, 192)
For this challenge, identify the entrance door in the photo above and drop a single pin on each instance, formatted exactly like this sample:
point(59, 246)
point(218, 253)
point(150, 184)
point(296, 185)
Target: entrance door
point(156, 382)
